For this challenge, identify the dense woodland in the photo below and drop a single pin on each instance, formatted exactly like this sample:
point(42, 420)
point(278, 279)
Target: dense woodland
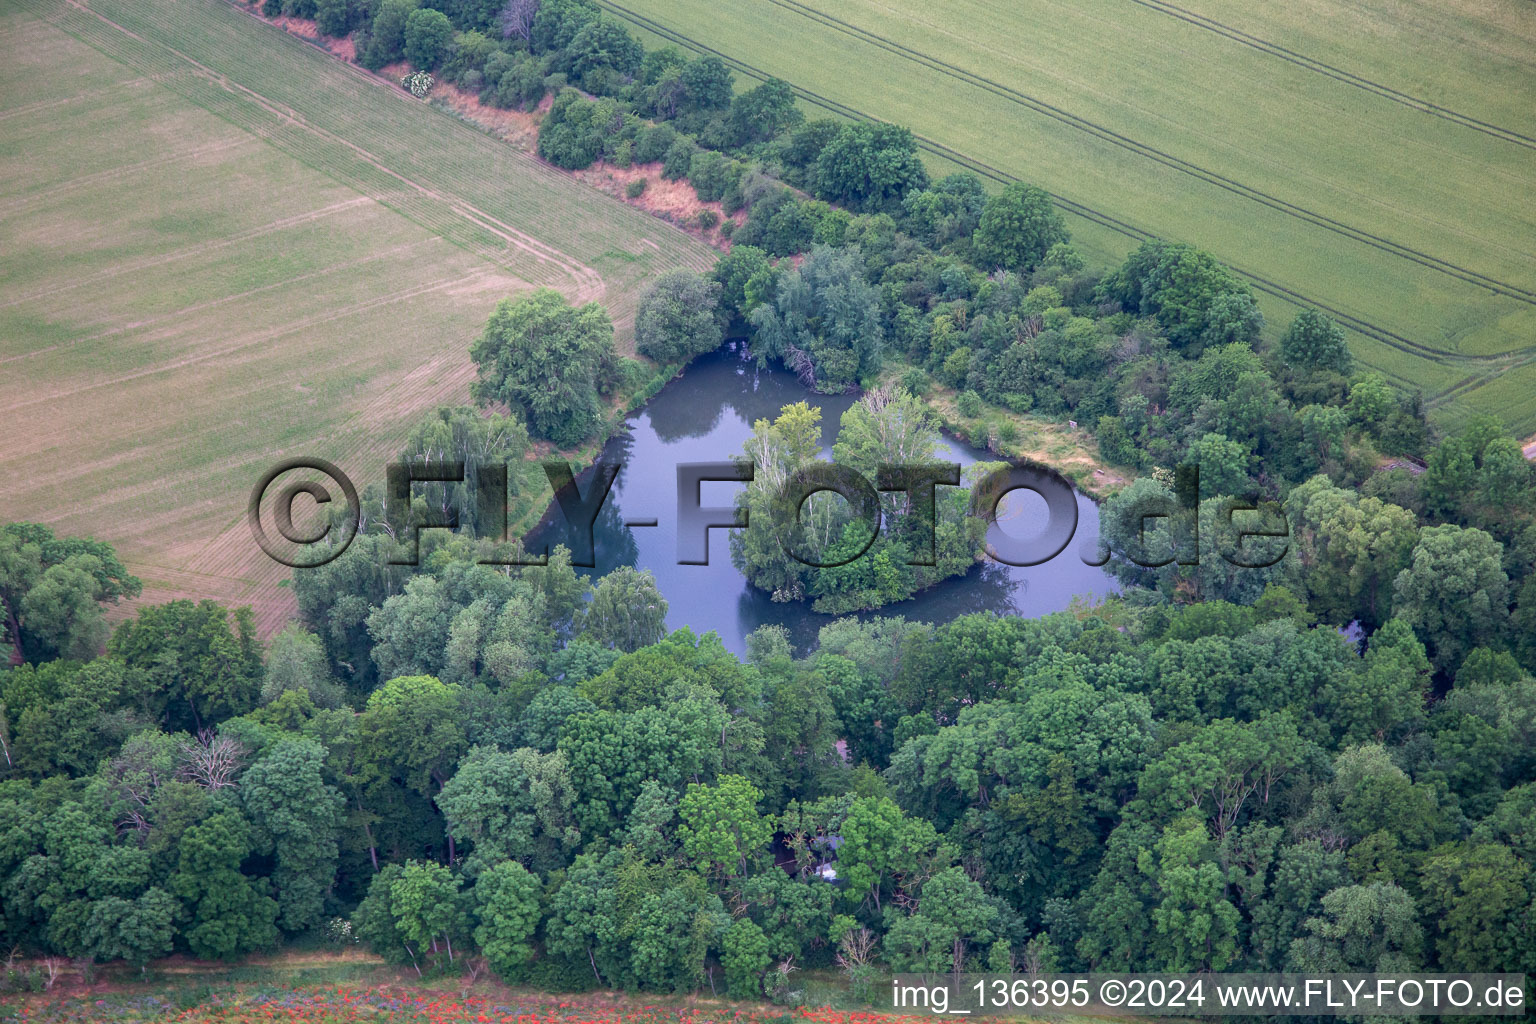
point(1325, 764)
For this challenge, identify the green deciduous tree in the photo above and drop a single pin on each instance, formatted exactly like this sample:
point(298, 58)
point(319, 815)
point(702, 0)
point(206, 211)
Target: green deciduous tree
point(1479, 898)
point(230, 914)
point(869, 166)
point(507, 911)
point(511, 804)
point(678, 317)
point(547, 361)
point(428, 906)
point(745, 957)
point(1454, 592)
point(298, 815)
point(1349, 550)
point(720, 825)
point(386, 40)
point(427, 35)
point(200, 669)
point(1017, 227)
point(627, 611)
point(1197, 926)
point(51, 589)
point(824, 322)
point(1370, 928)
point(1315, 342)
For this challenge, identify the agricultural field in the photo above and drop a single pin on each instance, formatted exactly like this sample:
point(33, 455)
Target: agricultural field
point(1313, 147)
point(262, 253)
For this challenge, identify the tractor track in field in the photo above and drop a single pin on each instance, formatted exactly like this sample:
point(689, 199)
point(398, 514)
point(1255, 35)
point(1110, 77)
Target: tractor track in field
point(589, 283)
point(1118, 139)
point(1373, 331)
point(1337, 73)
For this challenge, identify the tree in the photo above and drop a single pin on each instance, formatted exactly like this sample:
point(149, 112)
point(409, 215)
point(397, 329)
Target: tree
point(137, 930)
point(745, 957)
point(744, 275)
point(763, 112)
point(1503, 476)
point(411, 729)
point(297, 815)
point(427, 35)
point(721, 827)
point(1223, 767)
point(516, 19)
point(627, 611)
point(824, 322)
point(1234, 318)
point(200, 670)
point(507, 911)
point(1223, 465)
point(707, 82)
point(947, 211)
point(1454, 593)
point(1018, 226)
point(1315, 342)
point(427, 905)
point(1479, 900)
point(1197, 926)
point(51, 589)
point(777, 449)
point(336, 18)
point(953, 913)
point(1363, 928)
point(1303, 873)
point(515, 805)
point(296, 662)
point(547, 361)
point(463, 434)
point(1349, 550)
point(1176, 283)
point(882, 847)
point(231, 915)
point(386, 40)
point(869, 166)
point(1387, 692)
point(677, 318)
point(601, 50)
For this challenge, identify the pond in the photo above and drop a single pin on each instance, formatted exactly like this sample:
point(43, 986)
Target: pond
point(705, 416)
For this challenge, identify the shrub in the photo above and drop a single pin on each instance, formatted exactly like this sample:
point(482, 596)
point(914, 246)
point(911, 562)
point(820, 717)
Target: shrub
point(678, 159)
point(522, 84)
point(915, 381)
point(708, 219)
point(712, 175)
point(727, 229)
point(653, 142)
point(635, 189)
point(968, 404)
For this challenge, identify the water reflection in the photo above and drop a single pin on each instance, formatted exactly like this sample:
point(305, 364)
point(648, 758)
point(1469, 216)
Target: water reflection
point(705, 416)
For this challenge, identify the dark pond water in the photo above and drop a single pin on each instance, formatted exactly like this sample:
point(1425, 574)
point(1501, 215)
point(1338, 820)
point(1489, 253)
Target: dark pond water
point(705, 416)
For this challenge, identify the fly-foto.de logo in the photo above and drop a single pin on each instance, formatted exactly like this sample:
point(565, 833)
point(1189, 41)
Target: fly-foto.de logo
point(578, 504)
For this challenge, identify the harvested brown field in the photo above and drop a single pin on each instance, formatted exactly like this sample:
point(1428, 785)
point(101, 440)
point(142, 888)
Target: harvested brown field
point(263, 253)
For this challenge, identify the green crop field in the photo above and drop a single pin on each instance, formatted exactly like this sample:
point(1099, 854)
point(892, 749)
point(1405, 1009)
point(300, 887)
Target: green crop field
point(1377, 160)
point(215, 261)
